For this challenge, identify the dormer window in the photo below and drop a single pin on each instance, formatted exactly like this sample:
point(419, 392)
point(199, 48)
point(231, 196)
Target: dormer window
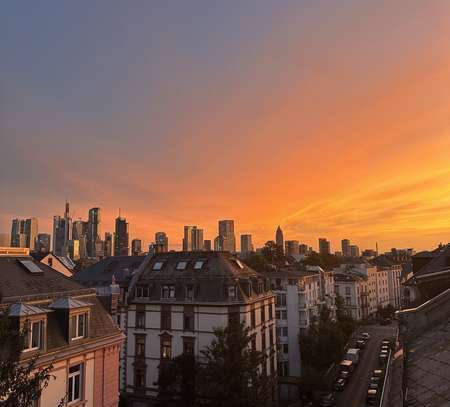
point(232, 292)
point(189, 292)
point(181, 265)
point(198, 265)
point(142, 292)
point(158, 265)
point(168, 292)
point(78, 326)
point(34, 334)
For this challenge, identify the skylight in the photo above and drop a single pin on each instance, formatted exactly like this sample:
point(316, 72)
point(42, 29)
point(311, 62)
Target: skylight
point(31, 267)
point(181, 265)
point(198, 264)
point(158, 265)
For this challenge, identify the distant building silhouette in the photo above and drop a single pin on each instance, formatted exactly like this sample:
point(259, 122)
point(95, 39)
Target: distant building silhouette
point(121, 237)
point(227, 239)
point(193, 239)
point(24, 233)
point(162, 239)
point(324, 246)
point(345, 244)
point(136, 247)
point(279, 239)
point(94, 241)
point(246, 244)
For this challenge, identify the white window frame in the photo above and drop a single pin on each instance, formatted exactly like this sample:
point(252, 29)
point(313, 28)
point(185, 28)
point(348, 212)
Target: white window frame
point(29, 335)
point(232, 292)
point(198, 265)
point(189, 289)
point(182, 265)
point(158, 265)
point(72, 377)
point(170, 290)
point(77, 326)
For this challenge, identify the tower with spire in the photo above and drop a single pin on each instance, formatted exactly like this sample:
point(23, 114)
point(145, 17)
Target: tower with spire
point(279, 239)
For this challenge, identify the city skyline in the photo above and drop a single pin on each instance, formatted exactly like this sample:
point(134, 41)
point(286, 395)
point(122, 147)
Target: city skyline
point(242, 94)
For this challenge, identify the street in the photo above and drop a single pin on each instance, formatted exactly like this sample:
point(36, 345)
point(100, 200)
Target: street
point(354, 394)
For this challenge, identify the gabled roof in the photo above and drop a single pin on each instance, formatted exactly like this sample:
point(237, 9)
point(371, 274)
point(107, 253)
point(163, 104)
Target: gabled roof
point(68, 303)
point(382, 261)
point(102, 272)
point(21, 309)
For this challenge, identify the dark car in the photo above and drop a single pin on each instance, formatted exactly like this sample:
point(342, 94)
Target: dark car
point(365, 336)
point(386, 342)
point(372, 396)
point(374, 385)
point(344, 375)
point(327, 400)
point(361, 344)
point(339, 384)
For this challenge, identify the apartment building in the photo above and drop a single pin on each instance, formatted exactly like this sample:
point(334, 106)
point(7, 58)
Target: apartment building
point(300, 296)
point(393, 271)
point(68, 328)
point(172, 305)
point(354, 290)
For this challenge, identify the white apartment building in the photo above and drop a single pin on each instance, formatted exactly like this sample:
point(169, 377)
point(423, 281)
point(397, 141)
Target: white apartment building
point(300, 295)
point(174, 302)
point(354, 291)
point(393, 274)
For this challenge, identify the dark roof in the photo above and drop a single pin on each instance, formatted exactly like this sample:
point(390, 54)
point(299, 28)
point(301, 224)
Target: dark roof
point(38, 255)
point(19, 286)
point(440, 262)
point(219, 270)
point(282, 273)
point(101, 273)
point(16, 281)
point(382, 261)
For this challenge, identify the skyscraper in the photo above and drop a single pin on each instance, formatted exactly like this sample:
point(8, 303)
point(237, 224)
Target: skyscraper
point(94, 231)
point(108, 244)
point(193, 239)
point(292, 248)
point(303, 249)
point(354, 250)
point(121, 238)
point(162, 239)
point(279, 239)
point(43, 241)
point(345, 244)
point(324, 246)
point(24, 233)
point(246, 244)
point(136, 247)
point(79, 228)
point(62, 233)
point(227, 241)
point(207, 245)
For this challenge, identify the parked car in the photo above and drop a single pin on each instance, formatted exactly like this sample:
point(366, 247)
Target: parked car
point(386, 321)
point(374, 385)
point(375, 379)
point(365, 335)
point(327, 400)
point(382, 358)
point(353, 355)
point(386, 342)
point(346, 366)
point(377, 373)
point(339, 384)
point(343, 374)
point(372, 396)
point(360, 343)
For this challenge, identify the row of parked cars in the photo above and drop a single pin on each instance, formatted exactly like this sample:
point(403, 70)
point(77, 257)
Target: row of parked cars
point(346, 368)
point(376, 380)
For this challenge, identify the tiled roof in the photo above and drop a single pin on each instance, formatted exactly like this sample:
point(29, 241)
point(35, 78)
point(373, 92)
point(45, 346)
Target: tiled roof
point(440, 262)
point(101, 273)
point(17, 282)
point(219, 270)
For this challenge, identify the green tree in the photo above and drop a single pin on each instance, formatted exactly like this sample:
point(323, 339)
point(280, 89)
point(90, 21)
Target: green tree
point(21, 382)
point(346, 322)
point(232, 374)
point(273, 253)
point(257, 262)
point(177, 382)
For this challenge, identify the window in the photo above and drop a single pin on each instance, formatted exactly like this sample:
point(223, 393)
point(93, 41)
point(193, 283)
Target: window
point(252, 318)
point(284, 314)
point(270, 312)
point(271, 336)
point(33, 335)
point(348, 301)
point(232, 292)
point(263, 313)
point(166, 323)
point(139, 377)
point(166, 348)
point(188, 323)
point(263, 340)
point(168, 291)
point(188, 346)
point(285, 348)
point(158, 265)
point(277, 314)
point(78, 326)
point(283, 368)
point(181, 265)
point(75, 383)
point(254, 342)
point(281, 300)
point(142, 292)
point(140, 319)
point(272, 365)
point(278, 282)
point(347, 290)
point(285, 331)
point(140, 346)
point(189, 292)
point(198, 264)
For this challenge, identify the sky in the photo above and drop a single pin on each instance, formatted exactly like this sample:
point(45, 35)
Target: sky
point(331, 119)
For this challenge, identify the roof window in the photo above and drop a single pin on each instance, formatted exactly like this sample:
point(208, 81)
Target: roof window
point(181, 265)
point(158, 265)
point(198, 265)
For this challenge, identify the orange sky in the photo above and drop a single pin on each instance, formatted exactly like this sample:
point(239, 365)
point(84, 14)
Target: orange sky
point(331, 123)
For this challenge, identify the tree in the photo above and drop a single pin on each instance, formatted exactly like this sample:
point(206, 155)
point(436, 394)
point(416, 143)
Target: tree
point(273, 253)
point(177, 382)
point(21, 382)
point(346, 322)
point(257, 263)
point(232, 374)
